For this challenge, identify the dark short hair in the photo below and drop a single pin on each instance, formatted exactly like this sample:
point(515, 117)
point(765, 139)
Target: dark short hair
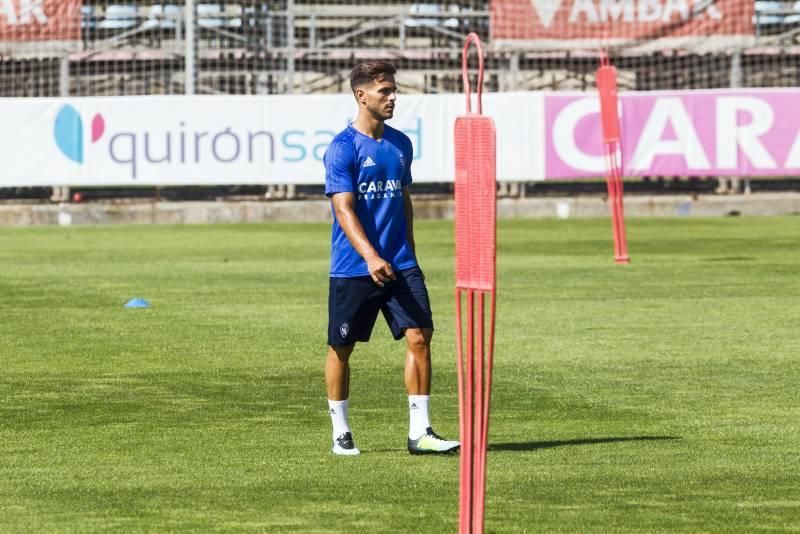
point(368, 71)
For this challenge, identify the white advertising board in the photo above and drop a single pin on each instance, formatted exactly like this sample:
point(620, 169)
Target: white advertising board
point(174, 140)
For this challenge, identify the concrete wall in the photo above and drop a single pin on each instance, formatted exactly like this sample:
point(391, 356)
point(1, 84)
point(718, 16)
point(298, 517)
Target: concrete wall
point(760, 204)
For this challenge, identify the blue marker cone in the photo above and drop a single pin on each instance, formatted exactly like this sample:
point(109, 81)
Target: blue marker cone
point(137, 303)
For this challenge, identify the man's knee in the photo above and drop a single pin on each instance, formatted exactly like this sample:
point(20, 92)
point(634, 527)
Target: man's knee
point(342, 353)
point(419, 339)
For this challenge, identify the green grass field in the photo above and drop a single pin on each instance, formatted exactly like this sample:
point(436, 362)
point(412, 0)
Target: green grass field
point(662, 395)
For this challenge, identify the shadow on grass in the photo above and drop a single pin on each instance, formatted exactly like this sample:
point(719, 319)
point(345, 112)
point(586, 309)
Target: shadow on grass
point(536, 445)
point(731, 258)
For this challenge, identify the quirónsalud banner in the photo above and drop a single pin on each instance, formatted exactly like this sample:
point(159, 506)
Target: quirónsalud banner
point(281, 139)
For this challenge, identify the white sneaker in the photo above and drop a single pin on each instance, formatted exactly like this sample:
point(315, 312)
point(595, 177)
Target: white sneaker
point(432, 443)
point(344, 446)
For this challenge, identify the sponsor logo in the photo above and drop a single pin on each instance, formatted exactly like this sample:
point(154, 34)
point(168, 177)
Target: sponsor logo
point(380, 189)
point(546, 9)
point(608, 11)
point(648, 20)
point(368, 162)
point(684, 133)
point(133, 147)
point(178, 145)
point(68, 132)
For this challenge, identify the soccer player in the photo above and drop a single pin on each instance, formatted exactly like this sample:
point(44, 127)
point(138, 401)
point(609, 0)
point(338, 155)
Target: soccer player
point(373, 259)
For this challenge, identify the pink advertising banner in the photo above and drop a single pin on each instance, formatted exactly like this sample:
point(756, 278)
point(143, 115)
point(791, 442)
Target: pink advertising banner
point(690, 133)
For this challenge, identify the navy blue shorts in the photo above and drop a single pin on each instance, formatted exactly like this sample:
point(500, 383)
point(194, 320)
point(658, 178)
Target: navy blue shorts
point(354, 303)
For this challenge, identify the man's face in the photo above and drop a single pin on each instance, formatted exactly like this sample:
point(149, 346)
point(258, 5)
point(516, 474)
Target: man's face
point(379, 97)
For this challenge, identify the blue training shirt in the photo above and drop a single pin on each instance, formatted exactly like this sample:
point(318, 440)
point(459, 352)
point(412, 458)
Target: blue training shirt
point(375, 172)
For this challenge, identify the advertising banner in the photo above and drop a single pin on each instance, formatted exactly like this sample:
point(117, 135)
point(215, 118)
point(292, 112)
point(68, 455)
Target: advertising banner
point(636, 23)
point(236, 140)
point(689, 133)
point(282, 139)
point(40, 20)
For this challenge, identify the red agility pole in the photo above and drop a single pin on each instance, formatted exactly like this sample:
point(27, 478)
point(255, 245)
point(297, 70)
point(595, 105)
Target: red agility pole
point(476, 238)
point(607, 87)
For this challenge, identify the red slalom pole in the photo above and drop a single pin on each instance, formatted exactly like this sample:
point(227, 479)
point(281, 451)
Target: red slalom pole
point(479, 487)
point(615, 195)
point(464, 502)
point(476, 238)
point(486, 399)
point(607, 88)
point(467, 462)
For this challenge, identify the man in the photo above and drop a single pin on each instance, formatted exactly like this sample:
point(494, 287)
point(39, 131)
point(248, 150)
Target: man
point(373, 260)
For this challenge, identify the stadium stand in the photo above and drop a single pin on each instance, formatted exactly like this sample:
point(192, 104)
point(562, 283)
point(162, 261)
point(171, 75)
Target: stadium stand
point(302, 46)
point(773, 17)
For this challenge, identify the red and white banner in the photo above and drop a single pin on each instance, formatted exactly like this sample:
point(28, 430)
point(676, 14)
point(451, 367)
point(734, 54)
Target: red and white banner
point(40, 20)
point(565, 22)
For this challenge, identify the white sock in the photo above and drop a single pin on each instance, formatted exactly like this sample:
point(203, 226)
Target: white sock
point(338, 411)
point(418, 415)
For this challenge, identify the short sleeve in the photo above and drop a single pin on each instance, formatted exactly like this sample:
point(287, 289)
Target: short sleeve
point(408, 155)
point(339, 164)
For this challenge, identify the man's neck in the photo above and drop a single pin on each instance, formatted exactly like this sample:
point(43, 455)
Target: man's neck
point(369, 126)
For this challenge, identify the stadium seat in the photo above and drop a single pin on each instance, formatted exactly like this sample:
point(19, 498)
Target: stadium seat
point(793, 20)
point(210, 16)
point(431, 9)
point(88, 18)
point(233, 14)
point(775, 17)
point(255, 16)
point(119, 17)
point(164, 16)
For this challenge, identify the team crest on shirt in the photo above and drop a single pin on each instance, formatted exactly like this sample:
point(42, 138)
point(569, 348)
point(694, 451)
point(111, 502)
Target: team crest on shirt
point(344, 329)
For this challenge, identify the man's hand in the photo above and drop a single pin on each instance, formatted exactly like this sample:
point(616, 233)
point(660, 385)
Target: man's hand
point(380, 270)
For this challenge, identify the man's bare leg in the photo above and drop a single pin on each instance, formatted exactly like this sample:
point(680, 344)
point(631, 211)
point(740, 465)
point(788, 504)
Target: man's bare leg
point(421, 438)
point(418, 361)
point(337, 372)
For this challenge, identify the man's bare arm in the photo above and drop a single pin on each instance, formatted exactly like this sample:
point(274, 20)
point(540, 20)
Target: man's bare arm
point(408, 208)
point(344, 209)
